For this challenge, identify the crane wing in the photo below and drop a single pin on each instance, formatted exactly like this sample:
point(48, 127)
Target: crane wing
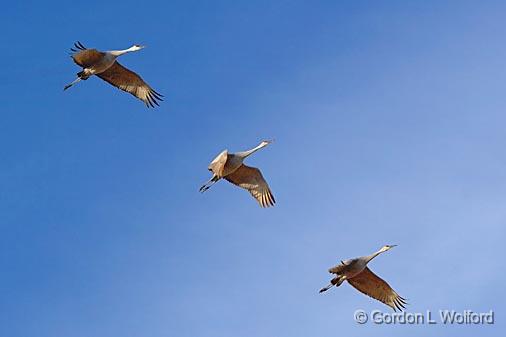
point(218, 164)
point(339, 269)
point(85, 57)
point(128, 81)
point(370, 284)
point(251, 179)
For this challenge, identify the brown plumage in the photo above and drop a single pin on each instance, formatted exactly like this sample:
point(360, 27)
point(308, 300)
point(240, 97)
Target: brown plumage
point(230, 167)
point(251, 179)
point(105, 66)
point(338, 269)
point(356, 272)
point(130, 82)
point(86, 58)
point(373, 286)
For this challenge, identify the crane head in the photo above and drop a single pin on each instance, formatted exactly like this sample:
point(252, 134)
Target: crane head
point(136, 47)
point(387, 247)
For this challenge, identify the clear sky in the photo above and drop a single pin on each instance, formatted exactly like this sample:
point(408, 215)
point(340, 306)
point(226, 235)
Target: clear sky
point(390, 127)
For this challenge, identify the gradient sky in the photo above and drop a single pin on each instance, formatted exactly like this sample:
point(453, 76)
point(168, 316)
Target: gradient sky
point(390, 127)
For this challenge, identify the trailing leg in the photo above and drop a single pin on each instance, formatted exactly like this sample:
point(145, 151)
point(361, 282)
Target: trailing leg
point(336, 281)
point(209, 183)
point(71, 84)
point(82, 75)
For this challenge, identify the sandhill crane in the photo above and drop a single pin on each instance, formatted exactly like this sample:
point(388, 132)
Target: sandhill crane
point(230, 167)
point(356, 272)
point(105, 66)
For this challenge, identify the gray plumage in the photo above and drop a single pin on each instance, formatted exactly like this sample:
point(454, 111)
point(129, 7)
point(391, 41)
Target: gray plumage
point(104, 64)
point(356, 272)
point(230, 167)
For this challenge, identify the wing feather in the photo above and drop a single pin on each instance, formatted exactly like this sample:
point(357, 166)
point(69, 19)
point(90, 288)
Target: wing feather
point(126, 80)
point(339, 269)
point(85, 57)
point(251, 179)
point(218, 164)
point(373, 286)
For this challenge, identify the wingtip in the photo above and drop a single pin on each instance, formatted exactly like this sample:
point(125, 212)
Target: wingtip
point(78, 45)
point(399, 304)
point(156, 92)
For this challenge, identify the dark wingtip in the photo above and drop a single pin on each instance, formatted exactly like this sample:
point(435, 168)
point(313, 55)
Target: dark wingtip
point(157, 93)
point(399, 303)
point(79, 45)
point(152, 96)
point(151, 101)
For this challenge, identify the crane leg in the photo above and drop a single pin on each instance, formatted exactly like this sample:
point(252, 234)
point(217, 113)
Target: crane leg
point(71, 84)
point(336, 281)
point(326, 288)
point(208, 184)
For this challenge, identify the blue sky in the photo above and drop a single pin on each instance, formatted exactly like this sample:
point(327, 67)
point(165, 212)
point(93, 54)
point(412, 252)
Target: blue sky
point(389, 120)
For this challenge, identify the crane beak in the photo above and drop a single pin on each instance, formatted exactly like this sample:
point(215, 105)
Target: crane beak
point(392, 246)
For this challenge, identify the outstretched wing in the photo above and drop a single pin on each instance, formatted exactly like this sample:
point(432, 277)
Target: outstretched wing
point(132, 83)
point(218, 164)
point(85, 57)
point(370, 284)
point(338, 270)
point(251, 179)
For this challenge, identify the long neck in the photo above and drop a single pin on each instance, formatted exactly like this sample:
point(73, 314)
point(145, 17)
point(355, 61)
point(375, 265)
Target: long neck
point(373, 255)
point(245, 154)
point(120, 52)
